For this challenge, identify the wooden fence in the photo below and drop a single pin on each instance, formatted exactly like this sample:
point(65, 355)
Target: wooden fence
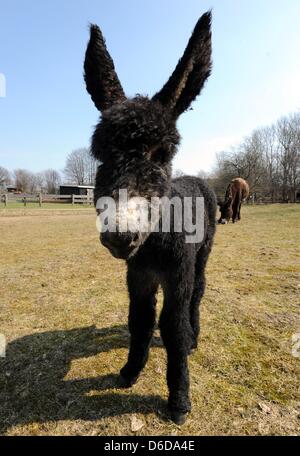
point(40, 198)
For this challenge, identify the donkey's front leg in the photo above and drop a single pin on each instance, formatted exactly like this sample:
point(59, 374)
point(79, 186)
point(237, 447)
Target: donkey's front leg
point(178, 337)
point(142, 288)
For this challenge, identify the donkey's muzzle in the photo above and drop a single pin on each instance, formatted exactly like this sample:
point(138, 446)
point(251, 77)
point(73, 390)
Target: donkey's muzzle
point(119, 244)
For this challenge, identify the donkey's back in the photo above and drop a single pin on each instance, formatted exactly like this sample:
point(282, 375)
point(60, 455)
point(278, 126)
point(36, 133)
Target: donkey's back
point(238, 186)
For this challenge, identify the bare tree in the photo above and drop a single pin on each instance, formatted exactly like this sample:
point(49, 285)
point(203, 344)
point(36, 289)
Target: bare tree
point(285, 139)
point(91, 166)
point(81, 167)
point(25, 181)
point(270, 154)
point(38, 182)
point(4, 177)
point(294, 156)
point(269, 159)
point(245, 160)
point(51, 181)
point(74, 169)
point(288, 136)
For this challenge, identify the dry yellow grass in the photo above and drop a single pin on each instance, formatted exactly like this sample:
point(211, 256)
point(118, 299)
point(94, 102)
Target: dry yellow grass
point(63, 304)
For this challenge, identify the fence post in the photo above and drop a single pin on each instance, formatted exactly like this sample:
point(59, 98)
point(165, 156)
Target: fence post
point(5, 199)
point(73, 200)
point(24, 199)
point(40, 199)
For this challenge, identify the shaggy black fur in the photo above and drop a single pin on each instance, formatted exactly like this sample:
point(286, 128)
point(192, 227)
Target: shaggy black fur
point(135, 141)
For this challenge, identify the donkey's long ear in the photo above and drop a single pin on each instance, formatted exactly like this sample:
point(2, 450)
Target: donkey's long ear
point(191, 71)
point(100, 76)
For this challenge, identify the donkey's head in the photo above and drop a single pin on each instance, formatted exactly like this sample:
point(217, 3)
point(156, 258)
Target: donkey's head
point(137, 138)
point(226, 211)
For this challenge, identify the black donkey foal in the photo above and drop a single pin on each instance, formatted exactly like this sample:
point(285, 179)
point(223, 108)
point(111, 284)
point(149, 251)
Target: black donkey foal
point(135, 142)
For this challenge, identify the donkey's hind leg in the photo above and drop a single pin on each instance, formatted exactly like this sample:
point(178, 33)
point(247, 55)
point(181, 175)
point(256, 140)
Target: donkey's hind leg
point(239, 211)
point(142, 287)
point(198, 291)
point(236, 207)
point(239, 208)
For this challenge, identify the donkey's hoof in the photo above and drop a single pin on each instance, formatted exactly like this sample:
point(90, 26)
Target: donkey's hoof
point(178, 418)
point(125, 382)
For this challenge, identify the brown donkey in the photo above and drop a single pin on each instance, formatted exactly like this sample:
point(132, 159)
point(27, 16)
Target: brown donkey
point(236, 192)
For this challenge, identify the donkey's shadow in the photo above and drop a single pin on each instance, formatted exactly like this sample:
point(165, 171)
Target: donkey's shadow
point(32, 385)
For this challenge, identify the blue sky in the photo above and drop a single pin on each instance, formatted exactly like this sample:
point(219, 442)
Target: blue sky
point(47, 113)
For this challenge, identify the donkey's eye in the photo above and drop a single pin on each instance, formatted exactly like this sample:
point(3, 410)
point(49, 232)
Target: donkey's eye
point(158, 155)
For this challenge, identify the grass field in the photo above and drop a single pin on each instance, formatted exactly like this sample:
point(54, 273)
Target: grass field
point(63, 311)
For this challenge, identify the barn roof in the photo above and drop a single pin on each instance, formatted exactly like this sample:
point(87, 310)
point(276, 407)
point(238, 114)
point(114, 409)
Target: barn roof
point(78, 186)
